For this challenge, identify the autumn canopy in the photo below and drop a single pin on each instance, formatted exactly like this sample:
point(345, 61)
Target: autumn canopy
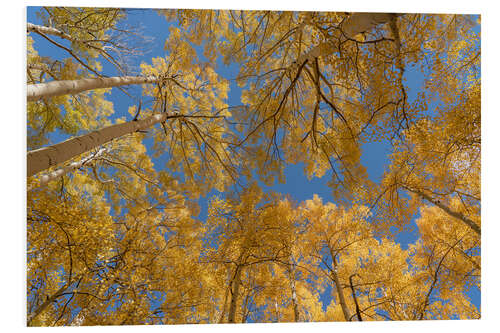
point(164, 212)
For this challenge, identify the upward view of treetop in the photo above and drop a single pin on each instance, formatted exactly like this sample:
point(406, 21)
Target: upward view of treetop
point(161, 144)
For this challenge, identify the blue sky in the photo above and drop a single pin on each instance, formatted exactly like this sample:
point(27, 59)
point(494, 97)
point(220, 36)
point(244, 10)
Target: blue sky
point(297, 185)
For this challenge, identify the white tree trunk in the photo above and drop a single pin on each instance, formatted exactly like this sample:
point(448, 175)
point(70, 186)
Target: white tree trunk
point(66, 169)
point(340, 289)
point(48, 31)
point(63, 87)
point(362, 22)
point(352, 26)
point(295, 304)
point(43, 158)
point(471, 224)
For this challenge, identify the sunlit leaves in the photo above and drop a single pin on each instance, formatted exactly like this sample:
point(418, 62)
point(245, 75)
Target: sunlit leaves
point(197, 142)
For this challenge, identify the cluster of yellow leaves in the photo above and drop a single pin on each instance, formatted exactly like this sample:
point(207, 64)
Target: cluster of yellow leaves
point(197, 141)
point(66, 238)
point(438, 159)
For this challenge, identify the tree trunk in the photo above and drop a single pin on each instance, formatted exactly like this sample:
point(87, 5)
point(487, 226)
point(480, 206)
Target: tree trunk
point(66, 169)
point(45, 304)
point(362, 22)
point(52, 298)
point(56, 88)
point(340, 290)
point(352, 26)
point(235, 289)
point(295, 304)
point(43, 158)
point(447, 210)
point(48, 31)
point(353, 291)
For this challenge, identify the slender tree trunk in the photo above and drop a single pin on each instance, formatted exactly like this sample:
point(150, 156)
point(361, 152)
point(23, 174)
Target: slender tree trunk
point(48, 31)
point(362, 22)
point(353, 291)
point(352, 26)
point(447, 210)
point(66, 169)
point(295, 304)
point(47, 302)
point(43, 158)
point(296, 316)
point(340, 290)
point(64, 87)
point(235, 289)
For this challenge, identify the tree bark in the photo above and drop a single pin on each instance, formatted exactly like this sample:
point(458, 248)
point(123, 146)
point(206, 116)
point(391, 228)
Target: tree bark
point(296, 316)
point(340, 290)
point(45, 304)
point(358, 310)
point(66, 169)
point(447, 210)
point(362, 22)
point(235, 289)
point(43, 158)
point(38, 91)
point(295, 304)
point(48, 31)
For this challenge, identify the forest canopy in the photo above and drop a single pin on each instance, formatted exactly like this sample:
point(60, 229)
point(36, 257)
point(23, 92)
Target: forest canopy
point(163, 146)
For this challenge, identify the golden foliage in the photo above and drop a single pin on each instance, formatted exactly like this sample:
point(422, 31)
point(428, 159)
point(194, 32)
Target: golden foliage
point(118, 241)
